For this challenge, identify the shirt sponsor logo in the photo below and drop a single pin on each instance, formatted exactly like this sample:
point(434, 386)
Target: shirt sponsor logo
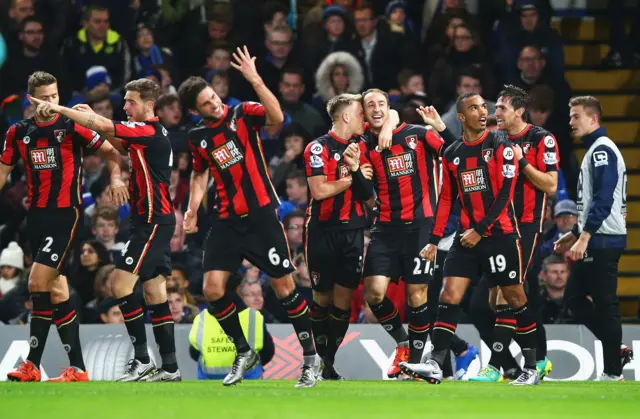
point(508, 153)
point(44, 158)
point(487, 154)
point(316, 162)
point(60, 134)
point(474, 180)
point(400, 165)
point(227, 155)
point(600, 158)
point(549, 141)
point(316, 149)
point(550, 158)
point(412, 141)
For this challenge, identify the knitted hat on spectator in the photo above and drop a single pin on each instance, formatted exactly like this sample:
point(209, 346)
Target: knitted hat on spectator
point(150, 72)
point(393, 5)
point(12, 256)
point(97, 75)
point(333, 11)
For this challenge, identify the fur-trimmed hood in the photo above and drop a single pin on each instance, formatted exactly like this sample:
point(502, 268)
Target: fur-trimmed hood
point(323, 74)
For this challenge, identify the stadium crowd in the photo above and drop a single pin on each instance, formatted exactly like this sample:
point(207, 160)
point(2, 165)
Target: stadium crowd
point(421, 52)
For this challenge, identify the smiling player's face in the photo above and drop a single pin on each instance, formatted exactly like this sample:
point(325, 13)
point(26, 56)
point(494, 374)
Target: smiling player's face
point(376, 108)
point(208, 104)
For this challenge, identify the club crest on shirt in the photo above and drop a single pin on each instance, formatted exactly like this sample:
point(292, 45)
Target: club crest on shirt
point(526, 147)
point(344, 171)
point(412, 141)
point(60, 134)
point(233, 124)
point(487, 154)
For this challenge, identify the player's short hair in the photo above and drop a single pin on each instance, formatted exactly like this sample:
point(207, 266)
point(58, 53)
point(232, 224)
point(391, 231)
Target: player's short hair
point(107, 213)
point(541, 98)
point(166, 100)
point(39, 79)
point(591, 104)
point(519, 98)
point(374, 90)
point(281, 29)
point(189, 91)
point(462, 98)
point(148, 89)
point(552, 260)
point(337, 104)
point(91, 8)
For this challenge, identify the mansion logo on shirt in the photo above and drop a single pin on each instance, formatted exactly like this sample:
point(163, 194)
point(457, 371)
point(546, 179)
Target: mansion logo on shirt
point(474, 180)
point(400, 165)
point(44, 158)
point(227, 155)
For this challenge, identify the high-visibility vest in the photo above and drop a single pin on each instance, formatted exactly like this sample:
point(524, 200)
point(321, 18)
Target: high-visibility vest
point(217, 352)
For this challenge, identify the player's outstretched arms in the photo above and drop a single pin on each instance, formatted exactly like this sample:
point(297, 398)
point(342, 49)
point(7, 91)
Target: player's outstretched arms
point(82, 116)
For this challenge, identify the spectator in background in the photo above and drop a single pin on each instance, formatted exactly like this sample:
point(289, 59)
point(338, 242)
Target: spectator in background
point(294, 226)
point(220, 85)
point(98, 82)
point(93, 256)
point(110, 311)
point(291, 90)
point(181, 312)
point(554, 275)
point(97, 45)
point(376, 48)
point(11, 267)
point(169, 112)
point(101, 104)
point(295, 138)
point(105, 225)
point(467, 81)
point(623, 49)
point(326, 40)
point(278, 56)
point(149, 54)
point(102, 286)
point(30, 56)
point(17, 12)
point(218, 59)
point(532, 31)
point(565, 216)
point(465, 52)
point(297, 193)
point(339, 72)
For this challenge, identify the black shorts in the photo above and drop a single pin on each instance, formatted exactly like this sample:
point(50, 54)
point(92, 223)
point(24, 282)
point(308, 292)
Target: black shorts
point(397, 254)
point(52, 234)
point(530, 243)
point(498, 259)
point(259, 238)
point(334, 257)
point(147, 253)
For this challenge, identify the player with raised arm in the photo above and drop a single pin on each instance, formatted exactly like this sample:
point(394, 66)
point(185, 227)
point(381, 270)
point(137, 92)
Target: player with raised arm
point(406, 184)
point(334, 228)
point(480, 169)
point(245, 223)
point(146, 254)
point(51, 147)
point(536, 150)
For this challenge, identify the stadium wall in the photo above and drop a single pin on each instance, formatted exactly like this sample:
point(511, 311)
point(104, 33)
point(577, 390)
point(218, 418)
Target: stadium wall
point(365, 355)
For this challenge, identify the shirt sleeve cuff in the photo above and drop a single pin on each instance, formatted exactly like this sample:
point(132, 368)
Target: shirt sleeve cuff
point(576, 230)
point(434, 239)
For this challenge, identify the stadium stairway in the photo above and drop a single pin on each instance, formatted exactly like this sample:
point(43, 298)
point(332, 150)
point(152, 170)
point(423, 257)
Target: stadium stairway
point(619, 93)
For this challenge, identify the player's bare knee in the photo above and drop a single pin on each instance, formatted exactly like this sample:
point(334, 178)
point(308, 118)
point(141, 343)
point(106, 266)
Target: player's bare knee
point(284, 286)
point(416, 295)
point(514, 296)
point(155, 290)
point(322, 298)
point(60, 290)
point(342, 297)
point(41, 278)
point(213, 289)
point(123, 283)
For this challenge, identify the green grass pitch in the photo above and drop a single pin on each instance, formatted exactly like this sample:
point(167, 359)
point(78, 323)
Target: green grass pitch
point(329, 400)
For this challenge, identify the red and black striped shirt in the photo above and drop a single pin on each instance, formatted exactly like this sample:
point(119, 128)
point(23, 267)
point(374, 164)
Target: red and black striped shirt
point(405, 176)
point(52, 153)
point(232, 149)
point(324, 157)
point(483, 175)
point(540, 148)
point(151, 161)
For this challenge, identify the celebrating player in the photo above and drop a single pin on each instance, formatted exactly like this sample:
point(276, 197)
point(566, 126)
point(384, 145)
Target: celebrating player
point(334, 234)
point(245, 224)
point(406, 184)
point(52, 147)
point(537, 153)
point(481, 169)
point(147, 253)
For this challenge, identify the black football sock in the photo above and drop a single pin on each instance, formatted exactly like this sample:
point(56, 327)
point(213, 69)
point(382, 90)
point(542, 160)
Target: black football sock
point(66, 320)
point(319, 325)
point(443, 330)
point(133, 314)
point(458, 345)
point(225, 312)
point(541, 338)
point(163, 330)
point(418, 332)
point(298, 313)
point(526, 335)
point(503, 331)
point(41, 316)
point(389, 318)
point(338, 326)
